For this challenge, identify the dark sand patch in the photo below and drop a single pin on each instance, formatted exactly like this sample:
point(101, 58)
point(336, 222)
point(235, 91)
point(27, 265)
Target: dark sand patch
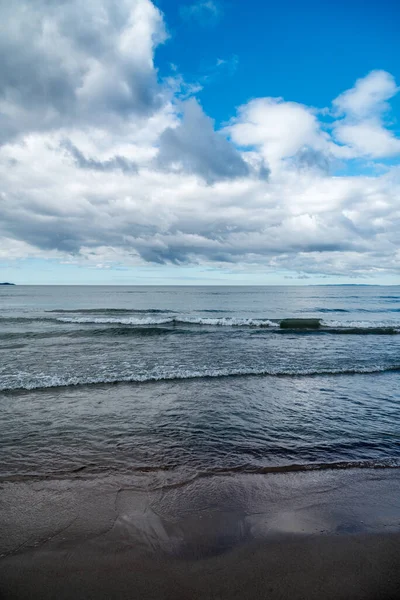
point(320, 567)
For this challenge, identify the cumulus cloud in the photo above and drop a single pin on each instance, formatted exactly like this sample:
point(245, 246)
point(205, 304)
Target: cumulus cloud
point(362, 128)
point(278, 129)
point(72, 62)
point(101, 163)
point(194, 147)
point(368, 138)
point(368, 96)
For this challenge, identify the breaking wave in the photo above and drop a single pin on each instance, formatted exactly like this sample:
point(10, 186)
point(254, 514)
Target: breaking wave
point(222, 322)
point(152, 318)
point(360, 324)
point(314, 325)
point(41, 381)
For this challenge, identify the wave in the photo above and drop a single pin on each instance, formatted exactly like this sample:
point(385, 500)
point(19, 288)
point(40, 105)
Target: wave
point(122, 322)
point(113, 311)
point(27, 320)
point(54, 381)
point(338, 326)
point(129, 331)
point(358, 324)
point(126, 331)
point(118, 322)
point(247, 469)
point(287, 324)
point(220, 322)
point(356, 310)
point(215, 310)
point(329, 310)
point(11, 346)
point(127, 311)
point(361, 330)
point(332, 326)
point(98, 332)
point(389, 463)
point(323, 330)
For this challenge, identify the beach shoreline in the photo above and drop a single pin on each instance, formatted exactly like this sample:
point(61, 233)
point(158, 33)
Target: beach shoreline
point(213, 455)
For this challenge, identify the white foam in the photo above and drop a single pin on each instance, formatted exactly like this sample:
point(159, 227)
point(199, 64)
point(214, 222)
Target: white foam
point(118, 321)
point(359, 324)
point(227, 322)
point(219, 322)
point(24, 380)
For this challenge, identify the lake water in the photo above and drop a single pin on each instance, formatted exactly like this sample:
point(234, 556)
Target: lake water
point(171, 383)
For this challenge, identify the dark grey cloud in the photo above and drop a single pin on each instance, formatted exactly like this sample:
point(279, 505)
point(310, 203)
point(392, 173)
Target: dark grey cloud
point(195, 147)
point(45, 232)
point(181, 249)
point(112, 164)
point(309, 158)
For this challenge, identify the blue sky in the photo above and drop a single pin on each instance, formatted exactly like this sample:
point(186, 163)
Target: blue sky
point(202, 141)
point(305, 51)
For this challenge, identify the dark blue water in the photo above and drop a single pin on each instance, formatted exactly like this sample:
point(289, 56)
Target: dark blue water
point(193, 381)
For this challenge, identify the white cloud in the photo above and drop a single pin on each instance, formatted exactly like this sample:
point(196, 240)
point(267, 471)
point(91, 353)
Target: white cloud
point(362, 130)
point(278, 129)
point(368, 138)
point(368, 96)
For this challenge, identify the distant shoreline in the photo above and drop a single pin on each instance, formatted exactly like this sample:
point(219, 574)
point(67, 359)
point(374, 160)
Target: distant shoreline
point(238, 286)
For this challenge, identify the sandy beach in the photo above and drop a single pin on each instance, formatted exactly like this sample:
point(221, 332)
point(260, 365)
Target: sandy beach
point(307, 535)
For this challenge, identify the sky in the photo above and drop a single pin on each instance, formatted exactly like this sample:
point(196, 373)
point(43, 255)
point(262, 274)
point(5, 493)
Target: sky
point(199, 142)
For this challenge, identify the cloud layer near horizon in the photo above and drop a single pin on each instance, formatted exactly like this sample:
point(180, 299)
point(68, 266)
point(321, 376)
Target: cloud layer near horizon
point(100, 161)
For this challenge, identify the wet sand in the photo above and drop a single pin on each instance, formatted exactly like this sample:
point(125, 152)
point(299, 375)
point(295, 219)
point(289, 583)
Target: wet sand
point(308, 535)
point(318, 567)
